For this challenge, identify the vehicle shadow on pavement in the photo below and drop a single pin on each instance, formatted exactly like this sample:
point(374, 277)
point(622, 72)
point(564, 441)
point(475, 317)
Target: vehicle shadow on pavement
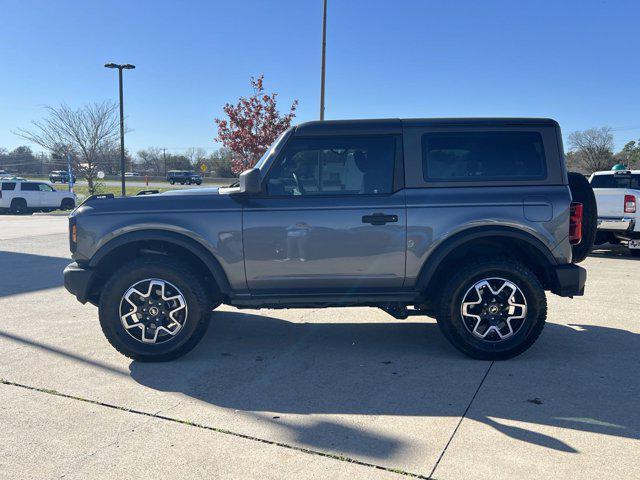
point(612, 251)
point(26, 272)
point(583, 378)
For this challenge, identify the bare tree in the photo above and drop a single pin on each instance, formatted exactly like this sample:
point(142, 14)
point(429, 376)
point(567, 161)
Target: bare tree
point(152, 160)
point(87, 134)
point(592, 149)
point(197, 157)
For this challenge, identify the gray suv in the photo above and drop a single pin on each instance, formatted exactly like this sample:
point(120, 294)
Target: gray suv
point(465, 220)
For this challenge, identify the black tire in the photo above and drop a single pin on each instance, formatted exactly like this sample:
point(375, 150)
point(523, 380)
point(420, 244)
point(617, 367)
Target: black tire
point(18, 206)
point(452, 324)
point(582, 192)
point(634, 252)
point(172, 182)
point(198, 303)
point(67, 204)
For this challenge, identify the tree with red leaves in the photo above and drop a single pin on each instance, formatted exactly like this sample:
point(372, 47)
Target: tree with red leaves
point(252, 125)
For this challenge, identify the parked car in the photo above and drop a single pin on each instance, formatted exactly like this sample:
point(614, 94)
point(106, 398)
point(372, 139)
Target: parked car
point(617, 194)
point(61, 176)
point(467, 220)
point(183, 177)
point(20, 197)
point(131, 174)
point(13, 178)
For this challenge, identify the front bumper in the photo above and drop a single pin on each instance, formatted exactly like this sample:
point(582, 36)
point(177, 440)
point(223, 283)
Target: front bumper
point(569, 280)
point(77, 280)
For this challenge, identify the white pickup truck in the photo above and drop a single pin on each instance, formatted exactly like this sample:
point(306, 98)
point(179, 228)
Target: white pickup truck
point(22, 196)
point(617, 194)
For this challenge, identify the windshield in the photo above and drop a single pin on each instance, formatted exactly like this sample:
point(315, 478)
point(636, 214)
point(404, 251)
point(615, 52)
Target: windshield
point(272, 149)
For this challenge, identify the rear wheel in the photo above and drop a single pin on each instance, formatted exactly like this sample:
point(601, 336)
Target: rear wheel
point(18, 206)
point(492, 309)
point(154, 309)
point(67, 204)
point(582, 192)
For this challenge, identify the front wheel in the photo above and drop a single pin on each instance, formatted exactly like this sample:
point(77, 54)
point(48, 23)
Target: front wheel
point(492, 309)
point(154, 309)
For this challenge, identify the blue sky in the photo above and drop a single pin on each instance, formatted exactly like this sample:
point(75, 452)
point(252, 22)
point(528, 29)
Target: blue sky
point(575, 61)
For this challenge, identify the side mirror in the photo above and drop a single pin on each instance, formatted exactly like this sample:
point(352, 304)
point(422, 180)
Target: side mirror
point(250, 181)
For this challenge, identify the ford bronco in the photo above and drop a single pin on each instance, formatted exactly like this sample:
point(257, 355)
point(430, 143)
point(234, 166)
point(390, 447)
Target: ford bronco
point(465, 220)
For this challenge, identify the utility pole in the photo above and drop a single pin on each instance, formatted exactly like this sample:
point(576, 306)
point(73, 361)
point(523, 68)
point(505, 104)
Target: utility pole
point(70, 170)
point(324, 51)
point(164, 157)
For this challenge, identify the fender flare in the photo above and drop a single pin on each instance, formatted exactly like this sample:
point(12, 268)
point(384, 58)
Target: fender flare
point(180, 240)
point(449, 245)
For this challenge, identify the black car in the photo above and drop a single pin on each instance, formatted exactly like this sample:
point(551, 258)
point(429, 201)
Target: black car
point(182, 177)
point(61, 176)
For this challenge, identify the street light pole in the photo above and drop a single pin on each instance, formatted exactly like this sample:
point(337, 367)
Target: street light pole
point(124, 190)
point(324, 51)
point(126, 66)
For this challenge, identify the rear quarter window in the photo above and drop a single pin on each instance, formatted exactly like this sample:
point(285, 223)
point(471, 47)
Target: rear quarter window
point(478, 156)
point(7, 186)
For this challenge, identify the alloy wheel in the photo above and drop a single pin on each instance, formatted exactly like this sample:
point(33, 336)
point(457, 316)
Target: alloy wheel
point(493, 309)
point(153, 311)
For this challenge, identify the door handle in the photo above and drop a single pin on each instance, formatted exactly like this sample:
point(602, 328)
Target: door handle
point(379, 219)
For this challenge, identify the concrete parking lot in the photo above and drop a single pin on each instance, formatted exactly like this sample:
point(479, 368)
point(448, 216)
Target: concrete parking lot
point(326, 393)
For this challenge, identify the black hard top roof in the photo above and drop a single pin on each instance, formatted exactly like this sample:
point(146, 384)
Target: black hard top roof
point(395, 124)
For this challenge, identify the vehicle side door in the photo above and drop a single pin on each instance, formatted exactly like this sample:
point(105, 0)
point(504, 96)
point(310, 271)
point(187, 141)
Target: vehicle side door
point(49, 197)
point(331, 217)
point(30, 192)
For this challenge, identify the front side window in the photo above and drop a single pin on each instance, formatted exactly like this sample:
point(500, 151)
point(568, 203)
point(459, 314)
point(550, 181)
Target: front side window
point(334, 166)
point(480, 156)
point(45, 188)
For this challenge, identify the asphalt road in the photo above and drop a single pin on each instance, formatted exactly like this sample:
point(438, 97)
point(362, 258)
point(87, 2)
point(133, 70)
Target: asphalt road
point(326, 393)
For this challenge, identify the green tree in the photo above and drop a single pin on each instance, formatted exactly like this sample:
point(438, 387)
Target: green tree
point(630, 155)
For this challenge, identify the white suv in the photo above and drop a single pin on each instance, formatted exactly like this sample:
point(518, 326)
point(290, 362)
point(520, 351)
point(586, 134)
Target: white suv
point(24, 196)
